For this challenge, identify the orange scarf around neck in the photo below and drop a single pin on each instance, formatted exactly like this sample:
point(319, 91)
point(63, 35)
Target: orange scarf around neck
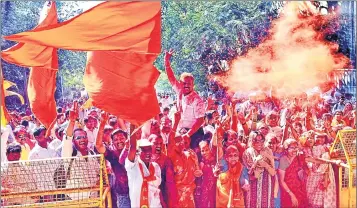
point(235, 192)
point(144, 196)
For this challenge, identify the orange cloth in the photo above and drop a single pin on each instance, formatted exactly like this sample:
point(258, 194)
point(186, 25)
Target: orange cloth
point(184, 167)
point(144, 196)
point(119, 83)
point(42, 79)
point(123, 84)
point(228, 189)
point(30, 55)
point(41, 89)
point(124, 26)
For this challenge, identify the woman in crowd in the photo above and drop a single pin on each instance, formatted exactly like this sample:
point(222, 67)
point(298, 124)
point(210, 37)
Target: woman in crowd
point(272, 143)
point(321, 189)
point(259, 161)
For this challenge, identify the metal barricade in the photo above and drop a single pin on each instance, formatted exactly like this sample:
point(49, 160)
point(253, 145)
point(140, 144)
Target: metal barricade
point(56, 182)
point(344, 148)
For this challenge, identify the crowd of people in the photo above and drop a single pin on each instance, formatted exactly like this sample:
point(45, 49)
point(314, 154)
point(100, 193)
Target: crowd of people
point(216, 152)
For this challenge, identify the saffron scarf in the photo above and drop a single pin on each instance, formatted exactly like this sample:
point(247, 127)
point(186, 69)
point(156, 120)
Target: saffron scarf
point(144, 196)
point(235, 194)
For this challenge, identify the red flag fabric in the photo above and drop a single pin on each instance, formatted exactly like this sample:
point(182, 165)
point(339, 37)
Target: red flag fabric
point(42, 79)
point(126, 37)
point(41, 89)
point(123, 84)
point(123, 26)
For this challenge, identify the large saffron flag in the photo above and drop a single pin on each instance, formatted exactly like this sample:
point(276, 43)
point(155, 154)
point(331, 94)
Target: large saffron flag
point(123, 84)
point(44, 63)
point(125, 38)
point(124, 26)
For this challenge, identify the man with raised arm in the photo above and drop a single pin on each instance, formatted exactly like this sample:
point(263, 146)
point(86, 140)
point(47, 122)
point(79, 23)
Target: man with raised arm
point(82, 170)
point(144, 176)
point(111, 153)
point(189, 103)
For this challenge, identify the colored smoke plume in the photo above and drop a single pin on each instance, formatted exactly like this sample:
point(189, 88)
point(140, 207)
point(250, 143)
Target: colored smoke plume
point(293, 58)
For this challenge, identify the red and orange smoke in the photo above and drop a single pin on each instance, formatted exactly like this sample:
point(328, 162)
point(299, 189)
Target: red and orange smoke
point(292, 59)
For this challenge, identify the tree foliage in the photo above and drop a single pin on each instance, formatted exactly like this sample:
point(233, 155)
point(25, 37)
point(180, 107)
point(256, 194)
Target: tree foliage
point(191, 28)
point(201, 33)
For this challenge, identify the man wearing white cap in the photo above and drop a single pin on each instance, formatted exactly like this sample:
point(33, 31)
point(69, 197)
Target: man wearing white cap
point(143, 175)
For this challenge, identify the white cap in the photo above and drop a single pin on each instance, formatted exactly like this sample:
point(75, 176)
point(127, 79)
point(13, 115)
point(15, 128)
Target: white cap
point(144, 143)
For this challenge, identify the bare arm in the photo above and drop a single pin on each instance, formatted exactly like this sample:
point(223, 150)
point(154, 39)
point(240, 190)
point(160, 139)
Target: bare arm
point(234, 125)
point(122, 124)
point(282, 182)
point(171, 142)
point(67, 148)
point(294, 201)
point(99, 141)
point(243, 122)
point(324, 161)
point(132, 148)
point(168, 69)
point(198, 123)
point(285, 132)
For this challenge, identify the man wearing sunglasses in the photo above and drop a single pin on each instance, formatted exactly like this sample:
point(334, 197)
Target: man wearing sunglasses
point(22, 137)
point(82, 171)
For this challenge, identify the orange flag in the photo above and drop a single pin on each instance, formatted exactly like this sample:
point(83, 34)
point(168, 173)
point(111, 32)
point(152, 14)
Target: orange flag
point(42, 79)
point(124, 26)
point(120, 82)
point(123, 84)
point(30, 55)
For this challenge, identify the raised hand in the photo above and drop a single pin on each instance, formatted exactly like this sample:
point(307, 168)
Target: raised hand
point(73, 113)
point(104, 116)
point(241, 118)
point(216, 170)
point(168, 54)
point(177, 116)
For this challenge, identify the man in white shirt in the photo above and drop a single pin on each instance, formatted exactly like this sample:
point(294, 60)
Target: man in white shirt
point(189, 103)
point(42, 150)
point(56, 143)
point(83, 171)
point(43, 172)
point(143, 193)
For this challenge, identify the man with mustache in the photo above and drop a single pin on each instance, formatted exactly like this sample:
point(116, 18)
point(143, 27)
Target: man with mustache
point(168, 188)
point(120, 189)
point(165, 127)
point(186, 167)
point(144, 176)
point(82, 169)
point(189, 103)
point(23, 138)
